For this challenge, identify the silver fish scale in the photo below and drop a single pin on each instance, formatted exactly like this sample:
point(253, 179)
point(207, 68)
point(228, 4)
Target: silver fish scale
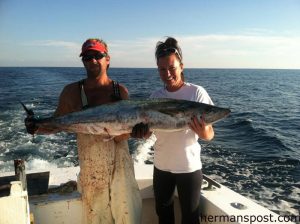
point(120, 117)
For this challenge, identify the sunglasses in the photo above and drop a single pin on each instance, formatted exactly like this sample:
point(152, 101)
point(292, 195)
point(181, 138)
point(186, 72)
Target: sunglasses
point(167, 51)
point(97, 56)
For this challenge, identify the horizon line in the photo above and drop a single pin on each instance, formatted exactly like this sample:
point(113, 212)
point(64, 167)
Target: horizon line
point(148, 67)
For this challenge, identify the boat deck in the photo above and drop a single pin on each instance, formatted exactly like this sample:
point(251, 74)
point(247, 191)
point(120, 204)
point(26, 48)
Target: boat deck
point(217, 201)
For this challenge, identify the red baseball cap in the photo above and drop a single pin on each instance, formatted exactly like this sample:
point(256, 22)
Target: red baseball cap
point(93, 44)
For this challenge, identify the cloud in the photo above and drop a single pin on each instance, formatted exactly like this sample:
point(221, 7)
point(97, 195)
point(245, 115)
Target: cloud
point(250, 51)
point(55, 43)
point(132, 53)
point(259, 50)
point(256, 49)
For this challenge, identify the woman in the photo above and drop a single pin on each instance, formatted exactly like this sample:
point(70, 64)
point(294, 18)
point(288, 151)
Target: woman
point(177, 155)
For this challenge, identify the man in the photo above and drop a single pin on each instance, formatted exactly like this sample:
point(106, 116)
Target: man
point(109, 190)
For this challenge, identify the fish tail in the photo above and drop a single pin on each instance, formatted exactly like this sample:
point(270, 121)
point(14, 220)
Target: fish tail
point(29, 112)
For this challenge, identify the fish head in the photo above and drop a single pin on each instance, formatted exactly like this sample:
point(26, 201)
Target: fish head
point(184, 108)
point(213, 114)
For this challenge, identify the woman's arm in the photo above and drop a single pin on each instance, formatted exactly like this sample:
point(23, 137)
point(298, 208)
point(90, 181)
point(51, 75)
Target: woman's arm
point(205, 132)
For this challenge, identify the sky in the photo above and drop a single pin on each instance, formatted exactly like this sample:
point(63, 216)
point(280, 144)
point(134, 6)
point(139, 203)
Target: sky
point(211, 33)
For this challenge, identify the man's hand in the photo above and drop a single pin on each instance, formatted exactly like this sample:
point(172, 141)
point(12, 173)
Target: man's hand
point(31, 126)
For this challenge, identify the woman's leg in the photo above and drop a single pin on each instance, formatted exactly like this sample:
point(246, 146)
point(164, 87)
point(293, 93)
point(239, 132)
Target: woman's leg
point(189, 187)
point(164, 187)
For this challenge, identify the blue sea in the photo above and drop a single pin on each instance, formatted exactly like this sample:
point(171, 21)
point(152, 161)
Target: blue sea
point(256, 150)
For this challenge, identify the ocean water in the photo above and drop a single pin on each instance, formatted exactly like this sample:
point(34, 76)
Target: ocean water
point(256, 150)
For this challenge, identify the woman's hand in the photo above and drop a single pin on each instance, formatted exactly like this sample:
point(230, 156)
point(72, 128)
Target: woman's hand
point(204, 131)
point(140, 130)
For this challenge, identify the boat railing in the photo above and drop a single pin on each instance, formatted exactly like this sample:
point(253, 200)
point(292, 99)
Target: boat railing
point(211, 184)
